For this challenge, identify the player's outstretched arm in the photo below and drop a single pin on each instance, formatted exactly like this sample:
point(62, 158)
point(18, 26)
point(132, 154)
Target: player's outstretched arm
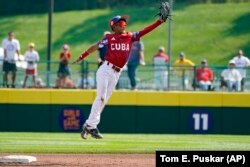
point(150, 27)
point(84, 54)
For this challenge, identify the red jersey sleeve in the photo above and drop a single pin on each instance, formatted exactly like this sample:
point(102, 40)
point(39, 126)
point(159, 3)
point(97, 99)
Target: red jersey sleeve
point(150, 28)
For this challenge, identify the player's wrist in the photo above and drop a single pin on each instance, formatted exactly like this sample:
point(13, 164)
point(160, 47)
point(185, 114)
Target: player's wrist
point(160, 20)
point(83, 55)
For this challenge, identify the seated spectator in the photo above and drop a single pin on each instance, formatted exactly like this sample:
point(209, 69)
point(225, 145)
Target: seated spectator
point(231, 77)
point(31, 57)
point(204, 76)
point(160, 61)
point(40, 83)
point(68, 84)
point(241, 62)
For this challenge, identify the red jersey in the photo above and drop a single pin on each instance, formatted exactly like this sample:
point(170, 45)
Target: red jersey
point(119, 45)
point(204, 74)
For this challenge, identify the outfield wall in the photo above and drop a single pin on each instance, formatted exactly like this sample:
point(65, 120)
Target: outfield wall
point(49, 110)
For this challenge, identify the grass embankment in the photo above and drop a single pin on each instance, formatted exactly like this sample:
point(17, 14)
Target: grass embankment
point(211, 31)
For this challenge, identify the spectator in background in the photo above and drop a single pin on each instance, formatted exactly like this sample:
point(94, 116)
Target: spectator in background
point(241, 62)
point(183, 67)
point(40, 83)
point(31, 57)
point(63, 71)
point(69, 84)
point(102, 51)
point(11, 47)
point(204, 76)
point(136, 57)
point(160, 60)
point(231, 77)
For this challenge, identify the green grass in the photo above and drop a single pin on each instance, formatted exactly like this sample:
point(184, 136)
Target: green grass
point(117, 143)
point(212, 31)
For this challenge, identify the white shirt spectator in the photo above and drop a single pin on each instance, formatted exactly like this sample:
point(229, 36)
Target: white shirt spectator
point(231, 75)
point(11, 46)
point(160, 63)
point(241, 62)
point(160, 60)
point(31, 57)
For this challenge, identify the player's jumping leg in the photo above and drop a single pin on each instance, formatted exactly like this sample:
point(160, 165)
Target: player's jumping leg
point(84, 133)
point(90, 126)
point(106, 84)
point(94, 132)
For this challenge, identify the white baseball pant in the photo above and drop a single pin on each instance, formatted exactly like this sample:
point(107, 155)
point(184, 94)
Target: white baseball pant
point(106, 79)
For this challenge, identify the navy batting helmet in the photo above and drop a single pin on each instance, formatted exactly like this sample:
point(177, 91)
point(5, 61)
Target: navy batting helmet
point(116, 19)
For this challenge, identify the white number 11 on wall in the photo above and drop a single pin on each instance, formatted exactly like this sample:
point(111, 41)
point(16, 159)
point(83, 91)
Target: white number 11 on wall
point(200, 121)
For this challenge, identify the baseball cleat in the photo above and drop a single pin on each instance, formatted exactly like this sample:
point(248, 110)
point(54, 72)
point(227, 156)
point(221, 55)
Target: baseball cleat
point(84, 134)
point(93, 132)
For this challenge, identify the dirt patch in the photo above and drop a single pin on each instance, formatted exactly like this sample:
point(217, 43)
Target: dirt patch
point(91, 160)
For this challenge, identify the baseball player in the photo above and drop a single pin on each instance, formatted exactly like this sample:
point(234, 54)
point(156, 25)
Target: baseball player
point(119, 47)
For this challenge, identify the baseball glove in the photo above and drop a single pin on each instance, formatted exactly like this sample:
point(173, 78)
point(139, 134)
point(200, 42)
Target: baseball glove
point(164, 12)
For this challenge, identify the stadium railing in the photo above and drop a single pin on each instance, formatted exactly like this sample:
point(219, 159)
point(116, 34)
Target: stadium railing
point(83, 75)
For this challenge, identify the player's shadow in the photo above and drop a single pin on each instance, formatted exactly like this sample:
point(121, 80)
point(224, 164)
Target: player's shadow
point(241, 26)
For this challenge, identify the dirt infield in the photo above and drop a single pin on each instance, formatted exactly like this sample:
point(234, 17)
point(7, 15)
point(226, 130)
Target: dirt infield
point(91, 160)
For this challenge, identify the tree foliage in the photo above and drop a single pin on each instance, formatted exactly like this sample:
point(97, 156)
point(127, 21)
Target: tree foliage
point(13, 7)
